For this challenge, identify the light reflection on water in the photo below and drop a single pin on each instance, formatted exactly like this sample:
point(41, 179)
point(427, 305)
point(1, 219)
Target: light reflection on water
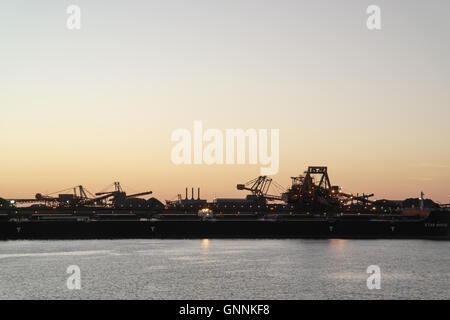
point(225, 269)
point(205, 243)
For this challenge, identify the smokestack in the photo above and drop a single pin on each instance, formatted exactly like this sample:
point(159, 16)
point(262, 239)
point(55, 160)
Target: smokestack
point(421, 200)
point(198, 194)
point(192, 193)
point(186, 193)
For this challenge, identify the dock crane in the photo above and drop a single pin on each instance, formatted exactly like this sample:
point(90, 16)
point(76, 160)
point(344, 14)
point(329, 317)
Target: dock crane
point(118, 195)
point(259, 188)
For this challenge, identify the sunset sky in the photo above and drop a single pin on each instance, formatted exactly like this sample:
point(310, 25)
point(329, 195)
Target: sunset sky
point(99, 104)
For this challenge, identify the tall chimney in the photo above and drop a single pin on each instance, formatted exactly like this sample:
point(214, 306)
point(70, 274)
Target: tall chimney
point(186, 193)
point(192, 193)
point(198, 193)
point(421, 200)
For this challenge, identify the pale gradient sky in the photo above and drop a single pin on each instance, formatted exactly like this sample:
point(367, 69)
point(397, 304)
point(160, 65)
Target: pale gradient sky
point(99, 104)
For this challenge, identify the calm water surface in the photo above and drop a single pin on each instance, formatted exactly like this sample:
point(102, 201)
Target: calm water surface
point(225, 269)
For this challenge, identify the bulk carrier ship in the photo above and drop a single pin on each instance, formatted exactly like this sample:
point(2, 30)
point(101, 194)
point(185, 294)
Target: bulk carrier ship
point(310, 208)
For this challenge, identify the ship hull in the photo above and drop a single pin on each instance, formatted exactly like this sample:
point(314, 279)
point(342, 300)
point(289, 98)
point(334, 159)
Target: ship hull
point(436, 226)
